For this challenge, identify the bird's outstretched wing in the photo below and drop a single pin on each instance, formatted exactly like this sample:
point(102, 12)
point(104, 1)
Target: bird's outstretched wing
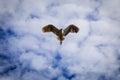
point(71, 28)
point(50, 28)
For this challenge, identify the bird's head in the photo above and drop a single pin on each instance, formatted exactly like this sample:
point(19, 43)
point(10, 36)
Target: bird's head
point(62, 31)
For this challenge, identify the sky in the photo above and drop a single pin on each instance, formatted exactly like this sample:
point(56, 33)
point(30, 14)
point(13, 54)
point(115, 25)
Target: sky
point(26, 53)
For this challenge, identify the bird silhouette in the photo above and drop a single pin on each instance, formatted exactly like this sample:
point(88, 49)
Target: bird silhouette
point(60, 33)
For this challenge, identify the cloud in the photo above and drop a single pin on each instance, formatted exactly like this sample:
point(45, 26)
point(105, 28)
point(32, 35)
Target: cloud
point(26, 53)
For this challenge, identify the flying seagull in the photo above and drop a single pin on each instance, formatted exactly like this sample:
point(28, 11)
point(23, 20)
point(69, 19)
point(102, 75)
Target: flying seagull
point(60, 33)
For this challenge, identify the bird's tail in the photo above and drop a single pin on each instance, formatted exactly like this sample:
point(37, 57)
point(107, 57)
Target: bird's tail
point(60, 42)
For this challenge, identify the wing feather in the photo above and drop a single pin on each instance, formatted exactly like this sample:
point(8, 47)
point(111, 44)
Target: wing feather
point(50, 28)
point(71, 28)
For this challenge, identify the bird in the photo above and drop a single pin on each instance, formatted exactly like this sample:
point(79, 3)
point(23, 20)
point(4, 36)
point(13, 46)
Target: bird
point(60, 33)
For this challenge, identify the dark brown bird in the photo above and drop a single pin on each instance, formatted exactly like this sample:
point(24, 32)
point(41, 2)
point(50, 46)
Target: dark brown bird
point(60, 32)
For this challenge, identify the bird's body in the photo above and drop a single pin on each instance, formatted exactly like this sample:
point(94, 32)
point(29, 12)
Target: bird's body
point(60, 32)
point(61, 36)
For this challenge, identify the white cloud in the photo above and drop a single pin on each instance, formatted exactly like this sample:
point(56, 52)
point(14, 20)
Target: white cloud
point(92, 51)
point(35, 61)
point(110, 9)
point(104, 27)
